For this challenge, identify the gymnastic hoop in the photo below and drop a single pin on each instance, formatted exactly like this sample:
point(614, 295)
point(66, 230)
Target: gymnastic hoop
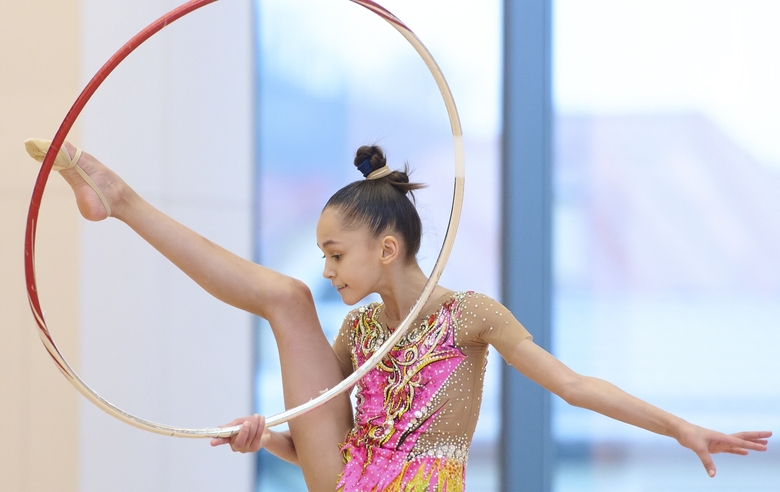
point(349, 382)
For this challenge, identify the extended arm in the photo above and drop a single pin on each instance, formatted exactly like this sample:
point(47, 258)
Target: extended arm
point(605, 398)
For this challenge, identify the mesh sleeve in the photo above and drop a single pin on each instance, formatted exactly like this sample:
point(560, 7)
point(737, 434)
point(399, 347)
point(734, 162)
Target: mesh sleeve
point(497, 325)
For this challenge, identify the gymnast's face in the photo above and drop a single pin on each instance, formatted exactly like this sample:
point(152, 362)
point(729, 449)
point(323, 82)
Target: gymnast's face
point(353, 259)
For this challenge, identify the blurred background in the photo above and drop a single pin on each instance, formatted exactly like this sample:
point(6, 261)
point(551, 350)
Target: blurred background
point(666, 232)
point(666, 198)
point(242, 119)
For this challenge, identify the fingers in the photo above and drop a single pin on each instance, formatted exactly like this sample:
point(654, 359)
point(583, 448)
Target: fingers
point(245, 435)
point(257, 440)
point(706, 460)
point(219, 441)
point(249, 437)
point(238, 441)
point(756, 437)
point(741, 452)
point(753, 445)
point(752, 435)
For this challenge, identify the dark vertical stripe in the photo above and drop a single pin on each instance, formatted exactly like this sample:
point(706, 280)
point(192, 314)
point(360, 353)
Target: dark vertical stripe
point(527, 446)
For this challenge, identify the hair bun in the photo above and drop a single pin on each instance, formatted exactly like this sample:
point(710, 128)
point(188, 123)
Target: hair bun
point(371, 153)
point(375, 156)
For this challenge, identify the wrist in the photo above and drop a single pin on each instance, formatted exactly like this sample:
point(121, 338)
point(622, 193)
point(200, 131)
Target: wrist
point(678, 428)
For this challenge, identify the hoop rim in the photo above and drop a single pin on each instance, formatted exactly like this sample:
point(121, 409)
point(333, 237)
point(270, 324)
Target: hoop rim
point(346, 384)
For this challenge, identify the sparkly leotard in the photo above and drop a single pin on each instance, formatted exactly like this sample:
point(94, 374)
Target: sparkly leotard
point(417, 410)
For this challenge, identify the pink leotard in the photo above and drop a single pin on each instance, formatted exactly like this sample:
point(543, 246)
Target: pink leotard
point(417, 410)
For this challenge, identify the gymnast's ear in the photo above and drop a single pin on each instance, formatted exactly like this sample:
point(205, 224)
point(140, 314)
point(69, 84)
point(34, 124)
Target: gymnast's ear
point(391, 249)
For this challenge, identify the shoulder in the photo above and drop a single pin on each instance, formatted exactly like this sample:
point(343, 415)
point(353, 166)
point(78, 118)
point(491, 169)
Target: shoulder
point(471, 300)
point(485, 314)
point(469, 313)
point(469, 303)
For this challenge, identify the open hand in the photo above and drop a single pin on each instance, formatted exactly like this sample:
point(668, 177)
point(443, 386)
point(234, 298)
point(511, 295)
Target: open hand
point(705, 442)
point(250, 438)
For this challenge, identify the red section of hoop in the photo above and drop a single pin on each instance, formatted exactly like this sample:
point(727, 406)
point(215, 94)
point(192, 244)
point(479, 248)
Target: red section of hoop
point(381, 12)
point(59, 138)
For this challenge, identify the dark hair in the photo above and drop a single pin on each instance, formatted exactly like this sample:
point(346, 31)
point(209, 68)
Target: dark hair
point(380, 204)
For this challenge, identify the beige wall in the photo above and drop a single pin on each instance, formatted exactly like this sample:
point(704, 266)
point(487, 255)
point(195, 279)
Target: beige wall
point(146, 337)
point(39, 79)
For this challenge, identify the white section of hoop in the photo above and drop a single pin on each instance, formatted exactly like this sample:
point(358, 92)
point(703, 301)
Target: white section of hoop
point(460, 158)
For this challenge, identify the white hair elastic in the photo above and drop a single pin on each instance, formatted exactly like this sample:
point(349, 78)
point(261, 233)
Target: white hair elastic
point(379, 173)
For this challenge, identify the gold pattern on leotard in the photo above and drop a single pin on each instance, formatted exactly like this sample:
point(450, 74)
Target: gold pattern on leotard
point(403, 370)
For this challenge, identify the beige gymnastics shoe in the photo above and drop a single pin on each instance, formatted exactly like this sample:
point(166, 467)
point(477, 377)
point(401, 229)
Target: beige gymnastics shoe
point(38, 147)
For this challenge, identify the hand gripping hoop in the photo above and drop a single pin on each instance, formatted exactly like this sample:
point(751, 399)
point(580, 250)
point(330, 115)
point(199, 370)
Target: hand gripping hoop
point(59, 138)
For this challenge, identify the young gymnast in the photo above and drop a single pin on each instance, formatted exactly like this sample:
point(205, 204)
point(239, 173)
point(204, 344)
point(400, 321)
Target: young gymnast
point(417, 410)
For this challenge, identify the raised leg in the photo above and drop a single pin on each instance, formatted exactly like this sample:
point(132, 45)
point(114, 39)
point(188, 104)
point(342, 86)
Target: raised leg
point(308, 363)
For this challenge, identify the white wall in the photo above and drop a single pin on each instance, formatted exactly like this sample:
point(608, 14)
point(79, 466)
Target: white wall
point(176, 121)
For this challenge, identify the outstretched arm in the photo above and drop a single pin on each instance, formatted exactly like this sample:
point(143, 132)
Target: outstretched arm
point(253, 436)
point(605, 398)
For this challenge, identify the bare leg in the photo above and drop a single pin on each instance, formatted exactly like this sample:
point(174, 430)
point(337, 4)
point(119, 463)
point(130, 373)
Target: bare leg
point(308, 363)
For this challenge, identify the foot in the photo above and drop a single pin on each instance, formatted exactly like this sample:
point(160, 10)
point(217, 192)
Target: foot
point(87, 200)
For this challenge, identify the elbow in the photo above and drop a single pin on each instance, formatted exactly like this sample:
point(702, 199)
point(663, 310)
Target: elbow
point(574, 390)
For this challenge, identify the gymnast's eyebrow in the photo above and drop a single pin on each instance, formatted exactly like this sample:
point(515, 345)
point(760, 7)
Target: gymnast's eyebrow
point(329, 242)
